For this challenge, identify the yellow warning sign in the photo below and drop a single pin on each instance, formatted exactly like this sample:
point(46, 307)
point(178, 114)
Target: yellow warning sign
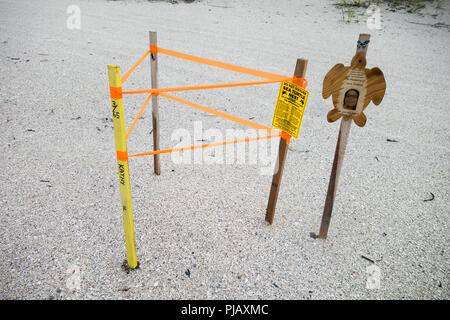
point(290, 107)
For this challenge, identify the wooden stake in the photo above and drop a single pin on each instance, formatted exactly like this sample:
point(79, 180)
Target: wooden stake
point(300, 71)
point(344, 131)
point(341, 145)
point(155, 100)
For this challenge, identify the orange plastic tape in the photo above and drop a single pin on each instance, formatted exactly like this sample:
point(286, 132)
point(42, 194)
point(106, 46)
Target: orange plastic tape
point(127, 74)
point(122, 155)
point(203, 146)
point(115, 92)
point(210, 86)
point(286, 136)
point(218, 64)
point(302, 82)
point(138, 116)
point(221, 114)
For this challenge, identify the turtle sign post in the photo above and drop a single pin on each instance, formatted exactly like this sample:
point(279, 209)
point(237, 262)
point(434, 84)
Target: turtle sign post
point(288, 115)
point(352, 89)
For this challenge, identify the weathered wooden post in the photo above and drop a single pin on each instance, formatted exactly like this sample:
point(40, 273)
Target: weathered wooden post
point(155, 98)
point(284, 124)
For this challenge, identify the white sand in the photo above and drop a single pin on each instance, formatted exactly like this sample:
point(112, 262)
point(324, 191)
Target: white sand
point(210, 218)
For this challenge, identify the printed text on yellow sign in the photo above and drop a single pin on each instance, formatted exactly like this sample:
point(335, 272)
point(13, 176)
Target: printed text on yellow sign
point(290, 107)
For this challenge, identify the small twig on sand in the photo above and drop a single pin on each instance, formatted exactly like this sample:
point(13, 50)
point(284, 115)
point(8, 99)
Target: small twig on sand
point(370, 260)
point(432, 198)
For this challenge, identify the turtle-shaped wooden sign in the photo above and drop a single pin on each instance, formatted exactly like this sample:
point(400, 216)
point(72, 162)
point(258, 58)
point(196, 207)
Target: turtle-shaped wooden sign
point(352, 88)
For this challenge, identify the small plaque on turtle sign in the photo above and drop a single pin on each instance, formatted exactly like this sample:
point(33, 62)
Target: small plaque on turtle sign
point(352, 93)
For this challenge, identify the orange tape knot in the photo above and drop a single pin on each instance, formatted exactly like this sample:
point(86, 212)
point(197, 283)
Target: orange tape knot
point(286, 136)
point(302, 82)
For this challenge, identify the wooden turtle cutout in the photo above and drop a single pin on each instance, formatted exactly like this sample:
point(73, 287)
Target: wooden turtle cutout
point(352, 88)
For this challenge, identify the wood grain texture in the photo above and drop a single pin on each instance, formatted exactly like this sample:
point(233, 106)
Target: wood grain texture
point(300, 71)
point(276, 181)
point(375, 84)
point(341, 145)
point(155, 101)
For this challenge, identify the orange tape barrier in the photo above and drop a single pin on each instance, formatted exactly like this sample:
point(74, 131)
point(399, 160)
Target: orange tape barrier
point(203, 146)
point(209, 86)
point(138, 116)
point(218, 64)
point(221, 114)
point(267, 75)
point(126, 75)
point(227, 66)
point(116, 93)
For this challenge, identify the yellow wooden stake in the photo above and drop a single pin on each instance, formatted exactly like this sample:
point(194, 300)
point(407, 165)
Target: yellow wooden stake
point(115, 87)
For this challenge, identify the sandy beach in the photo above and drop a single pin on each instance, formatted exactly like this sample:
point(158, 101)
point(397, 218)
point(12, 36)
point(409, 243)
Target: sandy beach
point(199, 227)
